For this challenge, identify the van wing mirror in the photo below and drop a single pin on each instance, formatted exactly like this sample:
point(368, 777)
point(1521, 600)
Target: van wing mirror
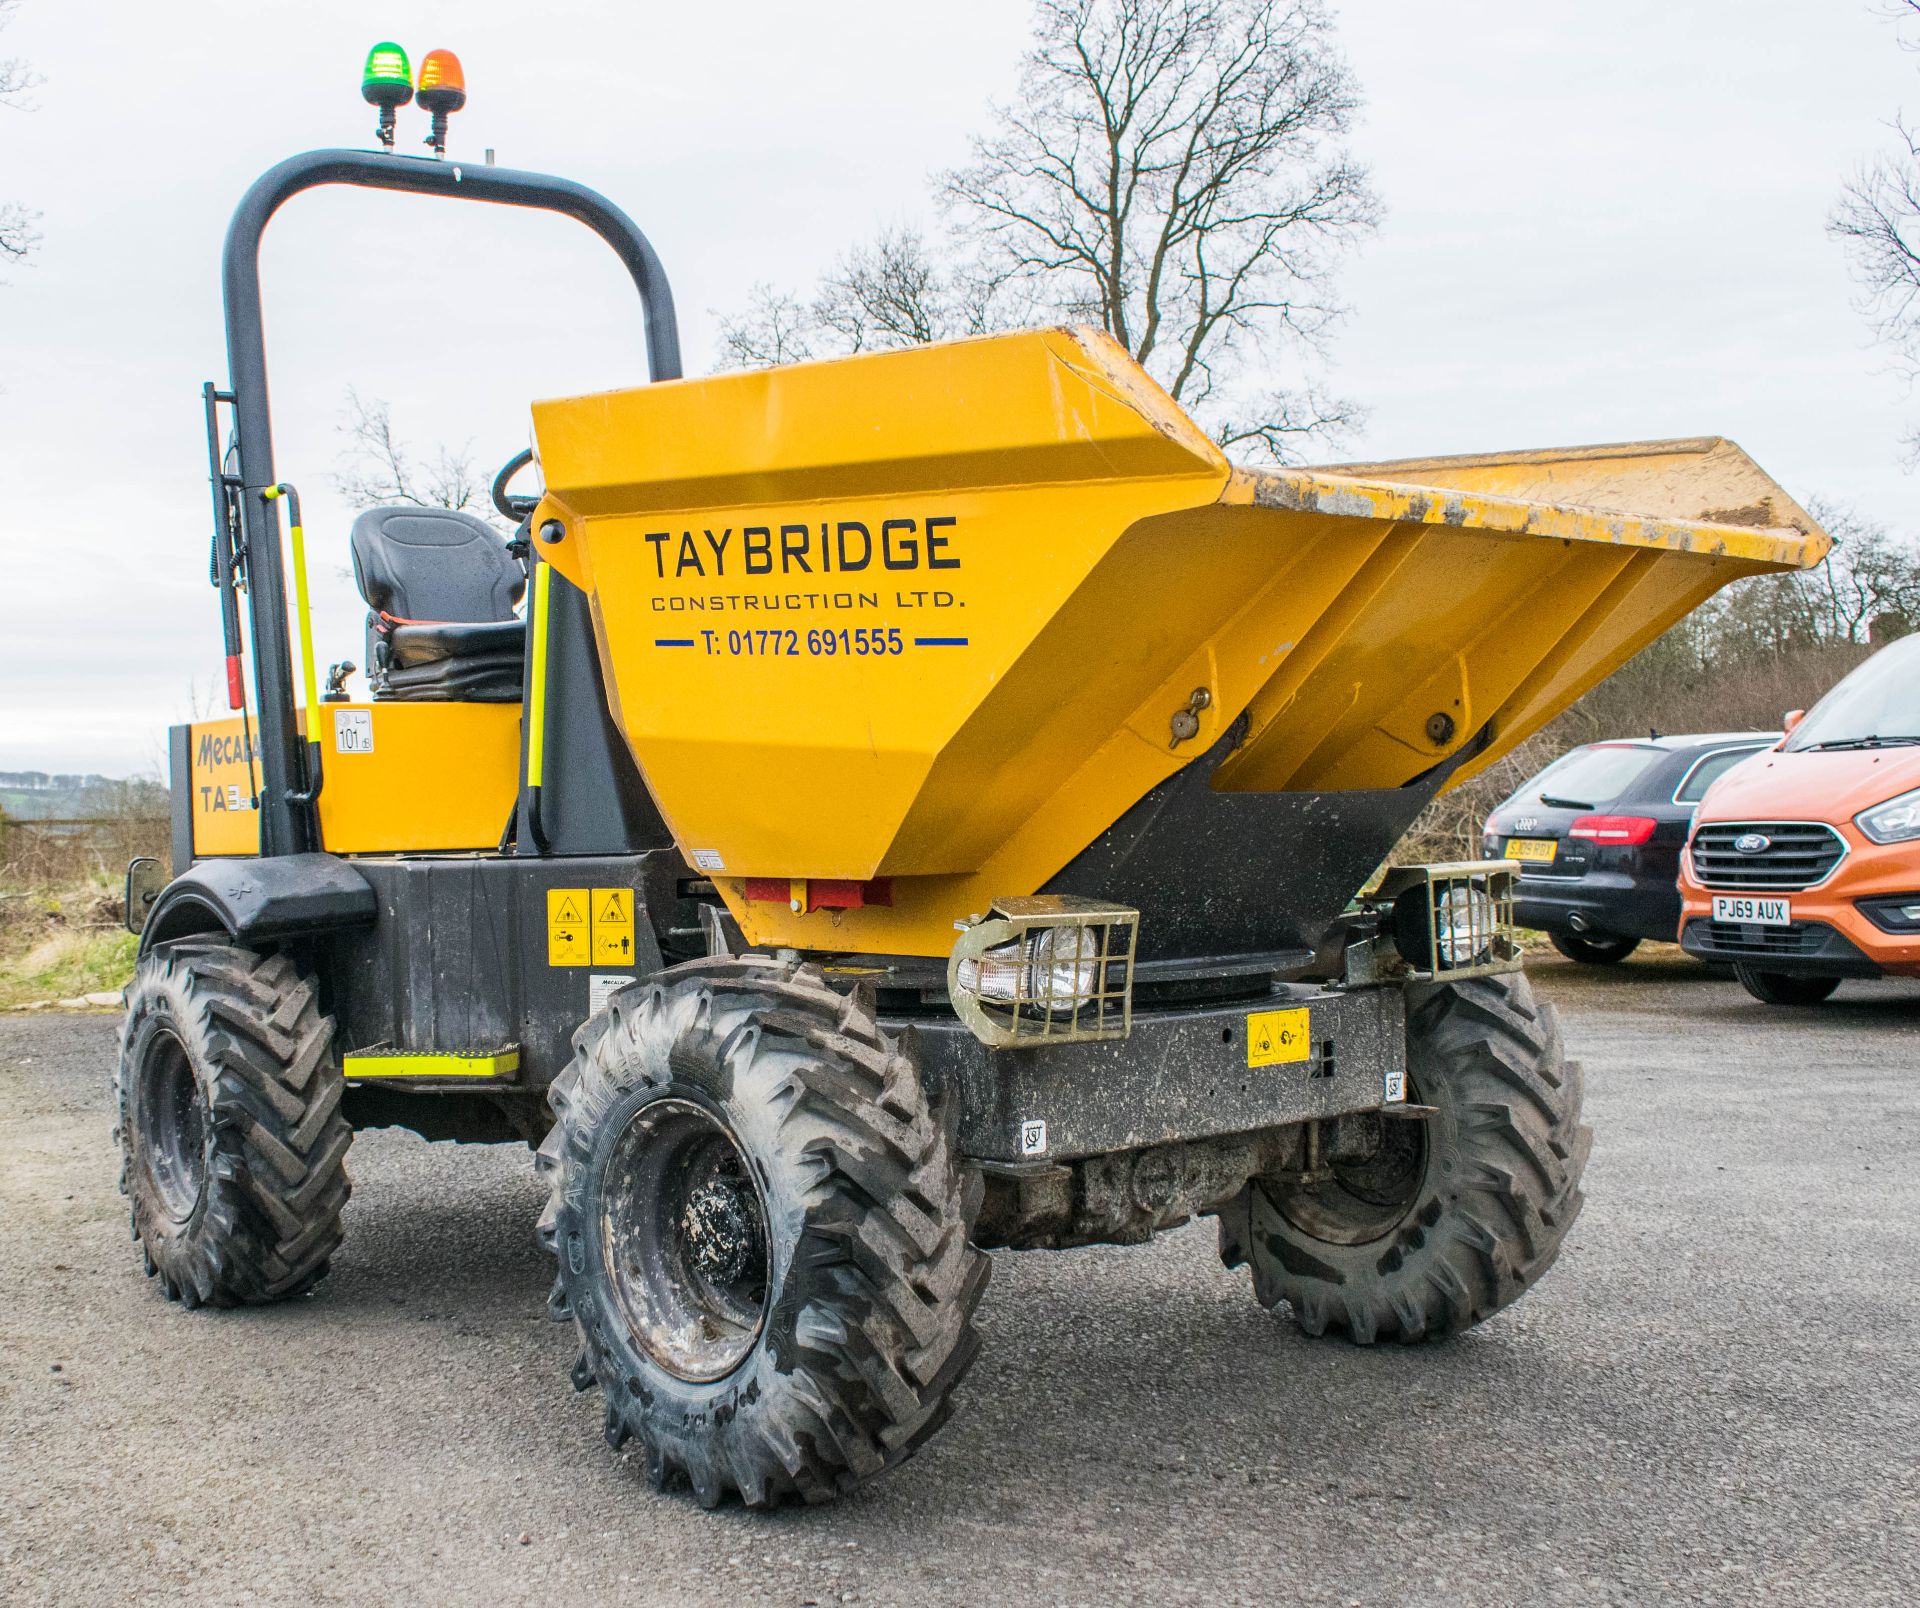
point(1790, 719)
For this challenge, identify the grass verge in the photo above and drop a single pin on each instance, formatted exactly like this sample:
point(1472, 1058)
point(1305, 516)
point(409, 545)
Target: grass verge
point(61, 946)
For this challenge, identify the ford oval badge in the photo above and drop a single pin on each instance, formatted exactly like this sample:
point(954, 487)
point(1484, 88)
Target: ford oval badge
point(1753, 843)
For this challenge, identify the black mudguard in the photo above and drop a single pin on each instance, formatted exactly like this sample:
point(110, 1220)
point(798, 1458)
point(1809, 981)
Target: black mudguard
point(249, 901)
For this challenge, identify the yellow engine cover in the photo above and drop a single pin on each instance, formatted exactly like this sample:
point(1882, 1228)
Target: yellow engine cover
point(399, 777)
point(930, 615)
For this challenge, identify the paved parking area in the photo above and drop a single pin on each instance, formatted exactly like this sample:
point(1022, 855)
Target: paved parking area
point(1713, 1397)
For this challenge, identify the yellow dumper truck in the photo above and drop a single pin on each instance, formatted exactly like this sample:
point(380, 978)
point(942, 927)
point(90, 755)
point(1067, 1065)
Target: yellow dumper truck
point(871, 812)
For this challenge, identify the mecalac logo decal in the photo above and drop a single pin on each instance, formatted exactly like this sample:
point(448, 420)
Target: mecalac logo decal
point(1753, 843)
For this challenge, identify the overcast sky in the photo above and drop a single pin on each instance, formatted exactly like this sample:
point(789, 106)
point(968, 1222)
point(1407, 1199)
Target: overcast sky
point(1602, 223)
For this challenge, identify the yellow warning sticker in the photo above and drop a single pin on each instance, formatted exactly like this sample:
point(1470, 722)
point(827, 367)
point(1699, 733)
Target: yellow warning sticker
point(613, 926)
point(1276, 1037)
point(567, 927)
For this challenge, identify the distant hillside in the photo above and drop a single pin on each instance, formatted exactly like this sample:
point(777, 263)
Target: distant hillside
point(43, 795)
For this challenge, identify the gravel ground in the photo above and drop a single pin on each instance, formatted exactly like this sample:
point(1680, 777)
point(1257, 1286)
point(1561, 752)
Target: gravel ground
point(1711, 1398)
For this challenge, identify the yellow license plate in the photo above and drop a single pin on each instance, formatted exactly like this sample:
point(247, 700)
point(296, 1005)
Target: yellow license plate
point(1535, 851)
point(1277, 1037)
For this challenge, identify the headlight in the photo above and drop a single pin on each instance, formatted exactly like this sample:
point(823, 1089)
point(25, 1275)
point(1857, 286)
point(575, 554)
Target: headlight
point(1463, 925)
point(1896, 821)
point(1059, 966)
point(1046, 968)
point(1460, 923)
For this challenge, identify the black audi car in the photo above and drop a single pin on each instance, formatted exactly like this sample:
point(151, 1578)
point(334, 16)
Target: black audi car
point(1598, 835)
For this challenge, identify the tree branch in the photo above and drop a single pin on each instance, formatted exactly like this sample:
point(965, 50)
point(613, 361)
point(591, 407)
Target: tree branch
point(18, 236)
point(375, 468)
point(1171, 168)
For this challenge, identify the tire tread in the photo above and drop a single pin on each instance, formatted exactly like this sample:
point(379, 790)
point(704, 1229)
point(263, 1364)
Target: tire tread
point(276, 1176)
point(1481, 1242)
point(890, 1279)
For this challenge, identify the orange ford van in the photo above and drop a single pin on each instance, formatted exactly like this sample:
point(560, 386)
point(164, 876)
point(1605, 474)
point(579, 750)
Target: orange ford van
point(1804, 863)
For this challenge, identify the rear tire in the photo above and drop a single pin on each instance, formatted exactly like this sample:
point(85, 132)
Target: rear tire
point(760, 1234)
point(1785, 988)
point(227, 1113)
point(1593, 951)
point(1454, 1217)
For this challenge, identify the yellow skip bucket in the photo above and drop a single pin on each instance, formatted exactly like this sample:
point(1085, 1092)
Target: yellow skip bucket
point(937, 619)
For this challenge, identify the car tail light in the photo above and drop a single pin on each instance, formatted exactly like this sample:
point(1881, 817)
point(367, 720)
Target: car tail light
point(1613, 829)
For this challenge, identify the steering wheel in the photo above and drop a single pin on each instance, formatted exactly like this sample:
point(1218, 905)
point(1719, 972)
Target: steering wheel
point(518, 509)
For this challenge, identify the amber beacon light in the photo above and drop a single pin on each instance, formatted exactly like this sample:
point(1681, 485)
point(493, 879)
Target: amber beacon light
point(443, 91)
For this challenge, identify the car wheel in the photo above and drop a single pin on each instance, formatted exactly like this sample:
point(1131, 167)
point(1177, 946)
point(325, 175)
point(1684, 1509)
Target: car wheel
point(1593, 950)
point(1784, 988)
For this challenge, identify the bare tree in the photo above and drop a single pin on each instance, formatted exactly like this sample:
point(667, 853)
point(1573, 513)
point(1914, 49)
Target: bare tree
point(777, 327)
point(375, 467)
point(1867, 590)
point(1878, 221)
point(17, 78)
point(1170, 170)
point(888, 294)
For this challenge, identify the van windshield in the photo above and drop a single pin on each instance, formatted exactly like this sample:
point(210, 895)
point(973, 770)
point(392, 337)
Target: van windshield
point(1878, 705)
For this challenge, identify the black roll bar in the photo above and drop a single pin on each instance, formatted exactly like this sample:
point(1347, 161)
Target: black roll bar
point(288, 825)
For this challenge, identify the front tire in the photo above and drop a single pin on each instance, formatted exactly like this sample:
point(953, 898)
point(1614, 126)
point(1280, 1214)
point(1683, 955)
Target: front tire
point(227, 1113)
point(760, 1234)
point(1785, 988)
point(1593, 950)
point(1450, 1218)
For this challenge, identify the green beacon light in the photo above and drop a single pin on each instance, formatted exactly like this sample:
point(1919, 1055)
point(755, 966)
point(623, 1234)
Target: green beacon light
point(387, 82)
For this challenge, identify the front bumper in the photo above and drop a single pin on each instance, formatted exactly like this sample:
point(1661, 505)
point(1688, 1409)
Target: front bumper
point(1805, 949)
point(1831, 935)
point(1182, 1074)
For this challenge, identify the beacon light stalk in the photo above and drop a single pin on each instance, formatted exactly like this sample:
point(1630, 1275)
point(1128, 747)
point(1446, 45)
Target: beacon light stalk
point(386, 82)
point(443, 91)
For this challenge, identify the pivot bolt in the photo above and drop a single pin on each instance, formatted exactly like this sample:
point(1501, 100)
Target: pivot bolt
point(1186, 722)
point(552, 531)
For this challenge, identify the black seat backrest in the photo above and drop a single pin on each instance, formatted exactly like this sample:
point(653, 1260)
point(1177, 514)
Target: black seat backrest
point(434, 564)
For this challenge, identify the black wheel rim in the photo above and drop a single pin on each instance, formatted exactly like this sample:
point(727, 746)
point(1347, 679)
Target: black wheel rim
point(684, 1233)
point(173, 1125)
point(1364, 1200)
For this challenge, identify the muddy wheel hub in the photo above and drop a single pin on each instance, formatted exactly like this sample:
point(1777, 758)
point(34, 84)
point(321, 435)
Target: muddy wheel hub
point(721, 1228)
point(684, 1231)
point(1366, 1198)
point(174, 1125)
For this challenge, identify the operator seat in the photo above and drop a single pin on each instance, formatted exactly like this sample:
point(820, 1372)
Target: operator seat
point(440, 587)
